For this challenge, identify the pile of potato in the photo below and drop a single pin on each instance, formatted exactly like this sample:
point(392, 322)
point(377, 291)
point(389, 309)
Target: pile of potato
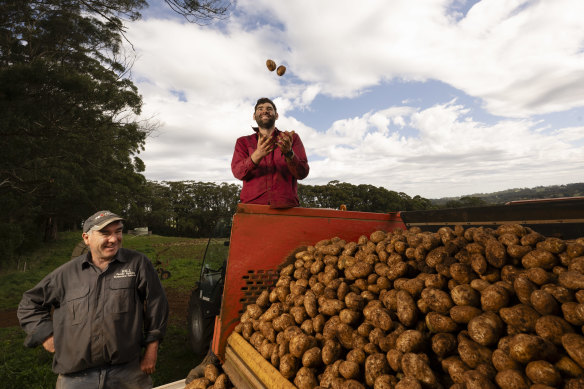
point(459, 308)
point(213, 378)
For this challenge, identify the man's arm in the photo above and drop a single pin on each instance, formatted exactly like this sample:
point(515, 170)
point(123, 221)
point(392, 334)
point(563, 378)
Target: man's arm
point(155, 314)
point(148, 362)
point(34, 315)
point(241, 162)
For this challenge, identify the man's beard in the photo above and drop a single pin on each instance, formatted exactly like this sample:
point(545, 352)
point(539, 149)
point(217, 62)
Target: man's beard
point(266, 123)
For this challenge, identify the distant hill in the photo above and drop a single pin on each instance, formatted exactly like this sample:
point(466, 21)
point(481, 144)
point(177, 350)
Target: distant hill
point(504, 196)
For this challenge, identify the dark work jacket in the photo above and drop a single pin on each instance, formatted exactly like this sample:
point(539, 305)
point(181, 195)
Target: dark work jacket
point(100, 318)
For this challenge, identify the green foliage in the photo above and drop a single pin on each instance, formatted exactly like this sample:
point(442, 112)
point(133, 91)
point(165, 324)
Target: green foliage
point(364, 198)
point(466, 201)
point(183, 208)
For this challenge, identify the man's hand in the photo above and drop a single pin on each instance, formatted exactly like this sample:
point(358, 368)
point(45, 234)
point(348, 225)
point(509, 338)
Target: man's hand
point(148, 362)
point(285, 141)
point(49, 344)
point(265, 147)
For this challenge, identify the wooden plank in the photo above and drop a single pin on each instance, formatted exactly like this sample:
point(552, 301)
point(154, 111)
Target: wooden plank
point(246, 365)
point(239, 374)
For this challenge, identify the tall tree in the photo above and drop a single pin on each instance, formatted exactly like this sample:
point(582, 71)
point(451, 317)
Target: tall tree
point(69, 130)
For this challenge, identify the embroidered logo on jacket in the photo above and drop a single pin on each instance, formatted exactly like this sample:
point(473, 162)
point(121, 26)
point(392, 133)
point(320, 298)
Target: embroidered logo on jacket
point(125, 273)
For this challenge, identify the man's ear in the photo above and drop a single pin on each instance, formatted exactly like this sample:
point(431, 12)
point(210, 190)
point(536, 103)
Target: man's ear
point(253, 116)
point(276, 115)
point(85, 237)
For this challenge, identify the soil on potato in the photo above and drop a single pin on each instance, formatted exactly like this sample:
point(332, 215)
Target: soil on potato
point(178, 301)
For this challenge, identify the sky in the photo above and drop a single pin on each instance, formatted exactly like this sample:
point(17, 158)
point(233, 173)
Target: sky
point(437, 98)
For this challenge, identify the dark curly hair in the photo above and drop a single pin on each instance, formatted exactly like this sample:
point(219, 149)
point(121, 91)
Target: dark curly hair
point(265, 100)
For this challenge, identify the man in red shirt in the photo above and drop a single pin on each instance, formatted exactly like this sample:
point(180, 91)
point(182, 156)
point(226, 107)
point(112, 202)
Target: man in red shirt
point(270, 161)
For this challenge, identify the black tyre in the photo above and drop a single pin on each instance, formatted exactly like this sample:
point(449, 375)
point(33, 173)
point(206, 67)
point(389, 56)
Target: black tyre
point(200, 329)
point(164, 275)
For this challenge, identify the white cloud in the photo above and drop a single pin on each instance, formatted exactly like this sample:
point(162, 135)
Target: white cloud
point(520, 58)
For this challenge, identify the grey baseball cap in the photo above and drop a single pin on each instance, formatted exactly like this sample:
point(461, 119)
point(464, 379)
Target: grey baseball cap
point(99, 220)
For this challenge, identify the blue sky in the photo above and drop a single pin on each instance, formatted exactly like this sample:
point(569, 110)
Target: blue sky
point(433, 98)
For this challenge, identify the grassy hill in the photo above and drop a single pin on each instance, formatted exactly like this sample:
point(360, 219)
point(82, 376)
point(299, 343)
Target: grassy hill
point(504, 196)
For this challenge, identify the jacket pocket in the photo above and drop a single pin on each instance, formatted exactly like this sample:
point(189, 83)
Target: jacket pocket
point(77, 301)
point(121, 297)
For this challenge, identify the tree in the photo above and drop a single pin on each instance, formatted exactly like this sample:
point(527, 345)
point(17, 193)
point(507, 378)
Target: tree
point(200, 11)
point(365, 198)
point(69, 127)
point(466, 201)
point(69, 130)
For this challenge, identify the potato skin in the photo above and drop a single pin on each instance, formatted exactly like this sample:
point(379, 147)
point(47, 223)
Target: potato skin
point(413, 365)
point(288, 365)
point(544, 303)
point(437, 322)
point(305, 379)
point(472, 353)
point(463, 314)
point(543, 372)
point(211, 372)
point(375, 365)
point(437, 300)
point(486, 328)
point(525, 348)
point(539, 258)
point(199, 383)
point(465, 295)
point(568, 368)
point(410, 341)
point(494, 298)
point(520, 316)
point(511, 379)
point(443, 344)
point(502, 361)
point(574, 346)
point(349, 370)
point(572, 279)
point(312, 357)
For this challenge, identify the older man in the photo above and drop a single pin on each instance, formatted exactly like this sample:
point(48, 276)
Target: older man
point(108, 303)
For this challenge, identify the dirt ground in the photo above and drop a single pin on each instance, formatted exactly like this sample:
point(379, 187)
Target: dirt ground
point(178, 302)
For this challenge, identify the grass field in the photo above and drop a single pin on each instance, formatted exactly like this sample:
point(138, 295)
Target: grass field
point(21, 367)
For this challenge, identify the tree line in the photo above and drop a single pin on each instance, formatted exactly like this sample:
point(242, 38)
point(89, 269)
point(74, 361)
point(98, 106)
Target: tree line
point(190, 208)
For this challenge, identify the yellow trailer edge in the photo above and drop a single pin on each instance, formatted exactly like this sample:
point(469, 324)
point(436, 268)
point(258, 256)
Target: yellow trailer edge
point(247, 369)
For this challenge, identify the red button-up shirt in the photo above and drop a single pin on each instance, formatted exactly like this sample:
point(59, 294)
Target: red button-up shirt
point(273, 180)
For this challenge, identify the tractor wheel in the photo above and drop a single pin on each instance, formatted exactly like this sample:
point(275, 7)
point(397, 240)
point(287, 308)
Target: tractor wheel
point(200, 329)
point(164, 275)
